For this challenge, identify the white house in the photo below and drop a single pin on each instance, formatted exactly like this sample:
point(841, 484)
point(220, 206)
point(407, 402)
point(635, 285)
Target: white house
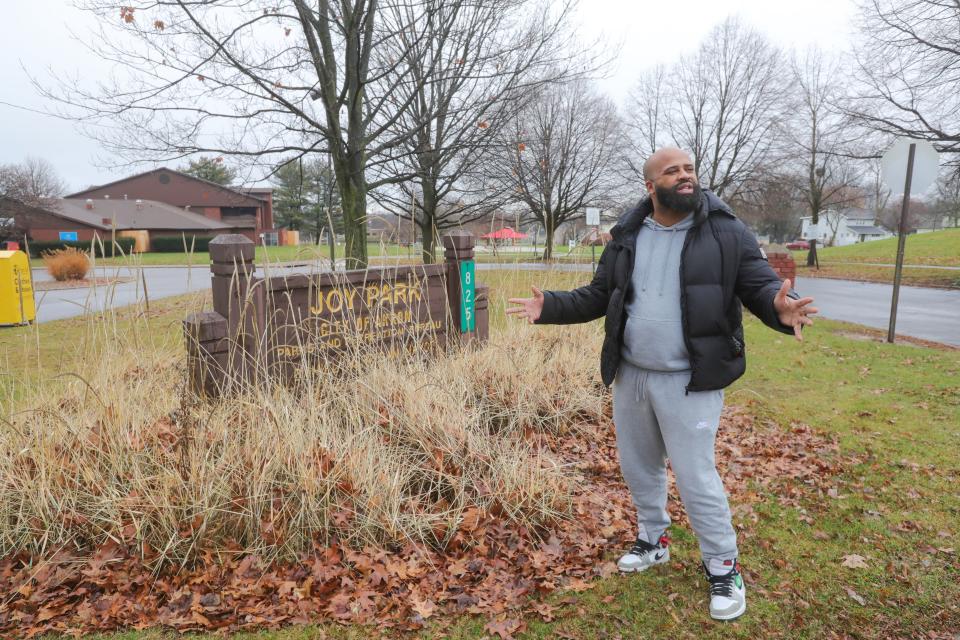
point(840, 228)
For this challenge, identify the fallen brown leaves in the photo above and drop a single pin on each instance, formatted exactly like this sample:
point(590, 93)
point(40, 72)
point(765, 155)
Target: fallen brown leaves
point(489, 568)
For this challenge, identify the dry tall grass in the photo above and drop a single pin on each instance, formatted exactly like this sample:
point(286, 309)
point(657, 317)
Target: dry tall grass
point(390, 450)
point(68, 263)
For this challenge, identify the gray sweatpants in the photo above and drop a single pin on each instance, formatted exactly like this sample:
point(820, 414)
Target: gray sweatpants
point(655, 418)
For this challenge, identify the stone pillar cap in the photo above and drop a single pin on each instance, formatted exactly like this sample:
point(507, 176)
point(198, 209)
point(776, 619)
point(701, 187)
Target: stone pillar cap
point(230, 247)
point(458, 239)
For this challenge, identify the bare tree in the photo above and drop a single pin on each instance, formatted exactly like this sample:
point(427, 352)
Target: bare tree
point(497, 55)
point(723, 104)
point(822, 136)
point(559, 155)
point(33, 181)
point(909, 70)
point(648, 117)
point(262, 80)
point(772, 205)
point(947, 203)
point(876, 191)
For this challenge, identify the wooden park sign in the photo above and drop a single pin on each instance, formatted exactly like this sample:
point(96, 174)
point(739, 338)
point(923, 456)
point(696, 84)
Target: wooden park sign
point(263, 329)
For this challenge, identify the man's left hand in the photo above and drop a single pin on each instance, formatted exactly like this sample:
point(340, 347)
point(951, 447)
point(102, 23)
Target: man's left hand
point(793, 313)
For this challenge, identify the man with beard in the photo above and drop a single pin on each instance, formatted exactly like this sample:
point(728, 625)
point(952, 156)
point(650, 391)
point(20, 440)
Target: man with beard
point(670, 284)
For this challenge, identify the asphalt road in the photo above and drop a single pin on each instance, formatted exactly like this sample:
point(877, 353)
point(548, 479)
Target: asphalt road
point(161, 283)
point(930, 314)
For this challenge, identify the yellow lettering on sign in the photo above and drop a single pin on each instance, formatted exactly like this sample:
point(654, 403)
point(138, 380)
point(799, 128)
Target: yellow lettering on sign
point(373, 292)
point(334, 301)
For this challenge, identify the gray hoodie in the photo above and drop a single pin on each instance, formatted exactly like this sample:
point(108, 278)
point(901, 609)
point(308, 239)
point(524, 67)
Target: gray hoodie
point(653, 336)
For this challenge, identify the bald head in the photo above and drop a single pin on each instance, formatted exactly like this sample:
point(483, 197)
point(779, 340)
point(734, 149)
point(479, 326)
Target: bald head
point(663, 158)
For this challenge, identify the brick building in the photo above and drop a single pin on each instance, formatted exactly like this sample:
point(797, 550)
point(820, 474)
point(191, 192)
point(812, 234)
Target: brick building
point(250, 211)
point(81, 220)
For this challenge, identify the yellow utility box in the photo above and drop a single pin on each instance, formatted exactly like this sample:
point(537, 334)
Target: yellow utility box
point(16, 289)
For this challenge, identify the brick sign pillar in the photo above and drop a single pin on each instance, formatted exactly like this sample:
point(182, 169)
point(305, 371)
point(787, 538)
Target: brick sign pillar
point(458, 251)
point(784, 265)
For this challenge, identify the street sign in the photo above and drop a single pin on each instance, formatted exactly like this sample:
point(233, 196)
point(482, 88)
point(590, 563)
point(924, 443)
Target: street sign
point(593, 217)
point(926, 165)
point(468, 292)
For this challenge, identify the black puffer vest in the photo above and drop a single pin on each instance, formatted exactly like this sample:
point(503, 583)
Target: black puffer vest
point(721, 265)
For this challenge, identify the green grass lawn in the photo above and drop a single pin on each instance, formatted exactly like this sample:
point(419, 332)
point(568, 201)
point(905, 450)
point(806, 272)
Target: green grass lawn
point(304, 252)
point(895, 411)
point(913, 276)
point(935, 249)
point(307, 252)
point(940, 248)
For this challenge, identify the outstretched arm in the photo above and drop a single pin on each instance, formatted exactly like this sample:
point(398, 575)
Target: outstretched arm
point(791, 312)
point(583, 304)
point(760, 290)
point(530, 308)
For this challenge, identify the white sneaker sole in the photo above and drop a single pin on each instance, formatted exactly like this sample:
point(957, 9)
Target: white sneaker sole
point(644, 567)
point(730, 616)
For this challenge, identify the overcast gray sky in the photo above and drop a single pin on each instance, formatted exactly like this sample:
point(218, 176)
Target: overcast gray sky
point(36, 34)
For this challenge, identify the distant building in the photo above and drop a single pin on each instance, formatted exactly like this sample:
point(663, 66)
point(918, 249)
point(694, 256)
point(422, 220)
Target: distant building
point(250, 211)
point(841, 228)
point(83, 219)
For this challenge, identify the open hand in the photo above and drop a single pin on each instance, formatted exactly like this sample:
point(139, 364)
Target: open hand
point(793, 313)
point(530, 308)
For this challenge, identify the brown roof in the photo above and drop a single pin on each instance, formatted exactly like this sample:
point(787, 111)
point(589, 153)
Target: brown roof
point(233, 197)
point(257, 192)
point(129, 215)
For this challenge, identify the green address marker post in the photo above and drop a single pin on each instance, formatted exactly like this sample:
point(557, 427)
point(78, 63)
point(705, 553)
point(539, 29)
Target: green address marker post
point(468, 318)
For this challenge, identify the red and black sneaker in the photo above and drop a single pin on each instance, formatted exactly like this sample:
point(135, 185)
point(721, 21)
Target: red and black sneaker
point(644, 555)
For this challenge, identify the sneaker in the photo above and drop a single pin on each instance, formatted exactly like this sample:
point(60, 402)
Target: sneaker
point(644, 555)
point(728, 595)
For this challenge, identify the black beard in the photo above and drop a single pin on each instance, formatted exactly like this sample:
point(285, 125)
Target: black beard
point(679, 202)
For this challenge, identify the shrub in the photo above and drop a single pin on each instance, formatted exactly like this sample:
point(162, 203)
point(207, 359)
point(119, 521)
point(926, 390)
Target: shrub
point(67, 264)
point(388, 450)
point(123, 246)
point(175, 244)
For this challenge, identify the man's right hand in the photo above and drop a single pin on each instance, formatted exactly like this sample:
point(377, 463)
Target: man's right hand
point(530, 308)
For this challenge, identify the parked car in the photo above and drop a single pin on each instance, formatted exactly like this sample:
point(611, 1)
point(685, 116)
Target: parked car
point(798, 244)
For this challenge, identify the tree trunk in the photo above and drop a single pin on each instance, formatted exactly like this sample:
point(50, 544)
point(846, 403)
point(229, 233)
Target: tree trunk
point(354, 203)
point(812, 255)
point(428, 254)
point(427, 220)
point(548, 246)
point(815, 222)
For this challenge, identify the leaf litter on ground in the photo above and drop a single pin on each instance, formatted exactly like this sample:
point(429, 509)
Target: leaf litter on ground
point(491, 567)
